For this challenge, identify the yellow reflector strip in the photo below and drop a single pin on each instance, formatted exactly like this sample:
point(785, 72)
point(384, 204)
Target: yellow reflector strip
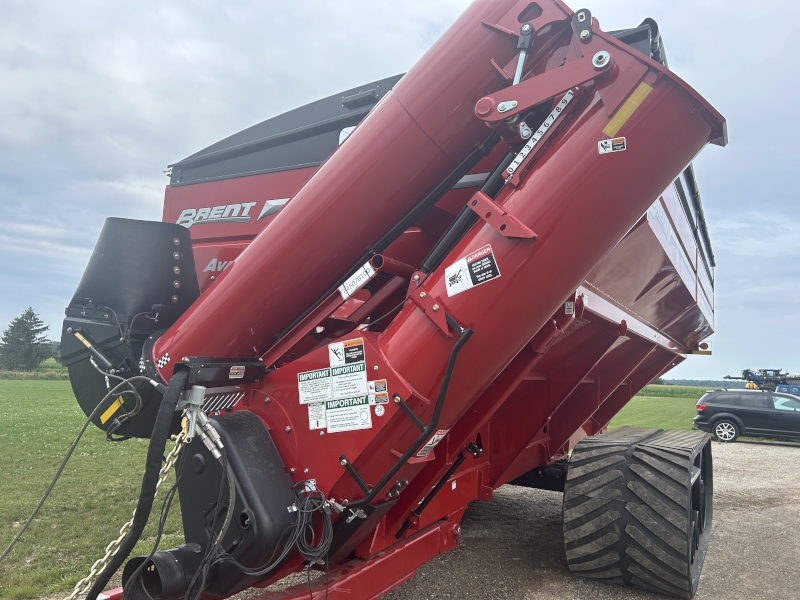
point(627, 109)
point(111, 410)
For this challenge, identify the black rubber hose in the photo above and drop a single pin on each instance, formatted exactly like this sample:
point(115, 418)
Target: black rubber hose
point(155, 456)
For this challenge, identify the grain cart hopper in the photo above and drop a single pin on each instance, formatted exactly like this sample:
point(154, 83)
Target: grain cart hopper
point(360, 316)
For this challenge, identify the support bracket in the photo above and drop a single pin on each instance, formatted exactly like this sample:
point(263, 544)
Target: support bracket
point(495, 215)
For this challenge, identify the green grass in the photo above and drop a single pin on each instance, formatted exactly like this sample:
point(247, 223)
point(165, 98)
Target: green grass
point(658, 412)
point(50, 369)
point(94, 497)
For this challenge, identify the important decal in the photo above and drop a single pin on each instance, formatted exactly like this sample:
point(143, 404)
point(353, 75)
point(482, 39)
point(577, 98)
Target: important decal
point(437, 437)
point(348, 414)
point(314, 386)
point(349, 380)
point(473, 269)
point(612, 145)
point(317, 416)
point(346, 353)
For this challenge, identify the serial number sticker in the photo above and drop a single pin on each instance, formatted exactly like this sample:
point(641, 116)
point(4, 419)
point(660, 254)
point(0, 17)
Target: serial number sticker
point(348, 414)
point(612, 145)
point(236, 373)
point(473, 269)
point(437, 437)
point(347, 352)
point(316, 416)
point(314, 386)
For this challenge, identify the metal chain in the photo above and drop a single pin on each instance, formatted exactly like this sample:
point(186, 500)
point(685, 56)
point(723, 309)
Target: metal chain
point(85, 584)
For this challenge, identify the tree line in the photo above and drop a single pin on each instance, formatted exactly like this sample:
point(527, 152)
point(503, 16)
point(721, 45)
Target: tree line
point(24, 344)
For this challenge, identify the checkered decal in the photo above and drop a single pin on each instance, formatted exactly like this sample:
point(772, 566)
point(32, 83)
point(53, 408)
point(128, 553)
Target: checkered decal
point(163, 361)
point(141, 364)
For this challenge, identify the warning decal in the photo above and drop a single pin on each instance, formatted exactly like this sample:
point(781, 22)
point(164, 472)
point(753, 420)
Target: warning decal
point(346, 353)
point(316, 416)
point(349, 380)
point(378, 391)
point(612, 145)
point(314, 386)
point(437, 437)
point(348, 414)
point(473, 269)
point(236, 373)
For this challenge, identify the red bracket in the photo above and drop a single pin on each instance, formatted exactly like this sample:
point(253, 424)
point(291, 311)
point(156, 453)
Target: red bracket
point(505, 224)
point(432, 307)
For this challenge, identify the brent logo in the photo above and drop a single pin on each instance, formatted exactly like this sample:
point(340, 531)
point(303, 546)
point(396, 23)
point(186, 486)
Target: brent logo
point(228, 213)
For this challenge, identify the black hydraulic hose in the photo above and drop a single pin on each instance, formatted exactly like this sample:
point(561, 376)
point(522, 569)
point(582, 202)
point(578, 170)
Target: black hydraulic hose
point(426, 434)
point(466, 218)
point(481, 151)
point(155, 456)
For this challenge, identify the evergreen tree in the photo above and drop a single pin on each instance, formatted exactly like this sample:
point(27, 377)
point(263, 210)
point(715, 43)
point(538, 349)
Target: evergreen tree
point(24, 345)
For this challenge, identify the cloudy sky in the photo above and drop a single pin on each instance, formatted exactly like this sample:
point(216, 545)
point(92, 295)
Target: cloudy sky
point(97, 97)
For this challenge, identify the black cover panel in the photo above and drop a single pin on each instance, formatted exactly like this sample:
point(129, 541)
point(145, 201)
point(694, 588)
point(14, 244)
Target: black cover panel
point(263, 495)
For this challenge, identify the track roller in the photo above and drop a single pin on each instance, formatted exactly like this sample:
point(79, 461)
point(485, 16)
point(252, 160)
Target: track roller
point(638, 508)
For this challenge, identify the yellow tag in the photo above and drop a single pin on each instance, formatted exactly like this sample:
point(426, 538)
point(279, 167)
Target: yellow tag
point(111, 410)
point(627, 109)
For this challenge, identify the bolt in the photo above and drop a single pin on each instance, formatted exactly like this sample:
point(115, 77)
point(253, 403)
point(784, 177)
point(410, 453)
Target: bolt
point(288, 429)
point(585, 34)
point(69, 329)
point(375, 368)
point(422, 294)
point(176, 269)
point(344, 462)
point(305, 470)
point(174, 299)
point(176, 255)
point(435, 308)
point(601, 59)
point(122, 339)
point(322, 433)
point(526, 28)
point(396, 398)
point(416, 277)
point(176, 284)
point(176, 241)
point(266, 400)
point(213, 278)
point(292, 470)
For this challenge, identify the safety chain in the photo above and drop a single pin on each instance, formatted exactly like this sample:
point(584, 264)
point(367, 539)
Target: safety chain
point(85, 584)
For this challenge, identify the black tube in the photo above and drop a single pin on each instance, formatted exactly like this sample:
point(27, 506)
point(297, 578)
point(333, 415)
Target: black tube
point(466, 218)
point(432, 494)
point(155, 456)
point(425, 435)
point(481, 151)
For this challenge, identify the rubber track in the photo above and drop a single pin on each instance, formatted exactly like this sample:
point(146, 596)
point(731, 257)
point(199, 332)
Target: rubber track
point(626, 505)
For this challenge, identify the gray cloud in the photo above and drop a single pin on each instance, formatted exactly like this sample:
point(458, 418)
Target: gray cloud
point(98, 97)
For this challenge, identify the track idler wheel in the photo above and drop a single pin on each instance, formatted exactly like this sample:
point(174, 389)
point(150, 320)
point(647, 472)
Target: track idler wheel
point(638, 508)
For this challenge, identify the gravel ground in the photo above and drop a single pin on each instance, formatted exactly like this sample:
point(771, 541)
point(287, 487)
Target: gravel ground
point(511, 546)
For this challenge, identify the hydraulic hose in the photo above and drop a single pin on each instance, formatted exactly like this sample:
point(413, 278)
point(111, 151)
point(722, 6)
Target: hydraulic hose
point(155, 456)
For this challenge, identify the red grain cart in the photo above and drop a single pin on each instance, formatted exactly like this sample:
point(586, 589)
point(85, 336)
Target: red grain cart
point(364, 314)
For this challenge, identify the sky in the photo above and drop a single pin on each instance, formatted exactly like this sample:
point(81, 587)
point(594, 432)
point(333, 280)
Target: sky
point(98, 97)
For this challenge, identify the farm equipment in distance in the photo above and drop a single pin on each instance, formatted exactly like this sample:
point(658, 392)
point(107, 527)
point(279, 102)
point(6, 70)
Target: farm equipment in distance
point(360, 316)
point(774, 380)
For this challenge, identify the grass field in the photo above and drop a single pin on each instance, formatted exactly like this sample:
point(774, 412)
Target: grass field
point(94, 497)
point(98, 490)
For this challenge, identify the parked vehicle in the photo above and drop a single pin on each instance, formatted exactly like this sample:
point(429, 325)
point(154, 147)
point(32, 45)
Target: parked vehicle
point(729, 414)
